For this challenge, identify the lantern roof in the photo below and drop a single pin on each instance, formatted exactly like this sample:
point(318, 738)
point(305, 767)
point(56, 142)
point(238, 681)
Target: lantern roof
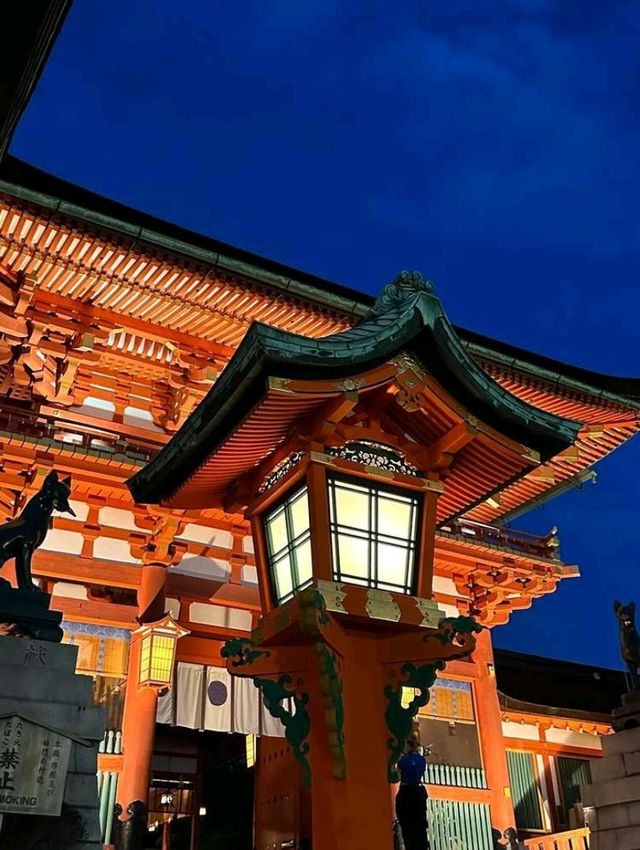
point(255, 394)
point(164, 626)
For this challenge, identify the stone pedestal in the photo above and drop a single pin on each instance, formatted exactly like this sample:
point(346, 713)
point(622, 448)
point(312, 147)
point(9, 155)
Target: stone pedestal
point(38, 683)
point(612, 801)
point(27, 614)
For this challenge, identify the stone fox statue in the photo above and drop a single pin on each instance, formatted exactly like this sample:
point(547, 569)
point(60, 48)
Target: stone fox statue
point(21, 536)
point(629, 639)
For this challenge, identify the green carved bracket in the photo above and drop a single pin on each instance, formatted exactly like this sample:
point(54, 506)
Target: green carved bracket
point(332, 687)
point(297, 724)
point(451, 627)
point(242, 651)
point(421, 678)
point(399, 719)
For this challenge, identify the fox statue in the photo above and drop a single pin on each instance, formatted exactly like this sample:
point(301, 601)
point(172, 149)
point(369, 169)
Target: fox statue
point(20, 537)
point(629, 640)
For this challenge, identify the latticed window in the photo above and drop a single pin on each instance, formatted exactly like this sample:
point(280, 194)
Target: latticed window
point(574, 773)
point(374, 533)
point(524, 790)
point(288, 537)
point(450, 700)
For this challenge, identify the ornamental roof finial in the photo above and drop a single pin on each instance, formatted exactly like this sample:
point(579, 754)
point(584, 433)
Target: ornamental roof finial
point(404, 288)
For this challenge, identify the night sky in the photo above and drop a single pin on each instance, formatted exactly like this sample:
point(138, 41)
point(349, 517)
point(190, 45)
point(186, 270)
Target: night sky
point(491, 145)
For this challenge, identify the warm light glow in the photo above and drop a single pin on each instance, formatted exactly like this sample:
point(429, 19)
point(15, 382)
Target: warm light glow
point(158, 651)
point(288, 536)
point(250, 743)
point(374, 533)
point(407, 696)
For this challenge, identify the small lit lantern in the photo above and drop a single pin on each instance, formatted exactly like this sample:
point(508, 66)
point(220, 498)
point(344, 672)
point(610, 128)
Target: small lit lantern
point(158, 651)
point(250, 747)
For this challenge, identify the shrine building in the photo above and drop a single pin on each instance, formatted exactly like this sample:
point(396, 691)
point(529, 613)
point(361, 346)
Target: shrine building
point(239, 432)
point(295, 506)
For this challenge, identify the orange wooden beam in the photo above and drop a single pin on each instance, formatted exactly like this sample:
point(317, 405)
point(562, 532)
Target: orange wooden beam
point(56, 565)
point(102, 613)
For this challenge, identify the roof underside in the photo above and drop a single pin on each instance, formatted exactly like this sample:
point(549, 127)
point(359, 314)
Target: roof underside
point(88, 248)
point(238, 415)
point(122, 268)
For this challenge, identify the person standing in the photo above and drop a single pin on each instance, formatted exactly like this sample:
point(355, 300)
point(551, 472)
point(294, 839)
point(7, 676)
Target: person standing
point(411, 799)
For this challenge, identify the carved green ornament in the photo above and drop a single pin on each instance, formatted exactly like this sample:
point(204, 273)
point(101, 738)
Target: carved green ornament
point(242, 650)
point(400, 720)
point(297, 724)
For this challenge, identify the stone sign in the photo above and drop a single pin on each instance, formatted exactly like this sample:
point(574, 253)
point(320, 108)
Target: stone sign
point(34, 762)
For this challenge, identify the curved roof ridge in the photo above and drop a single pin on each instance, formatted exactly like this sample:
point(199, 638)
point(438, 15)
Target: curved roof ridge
point(407, 317)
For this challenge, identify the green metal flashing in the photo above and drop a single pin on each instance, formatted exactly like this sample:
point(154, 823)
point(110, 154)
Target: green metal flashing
point(406, 318)
point(576, 481)
point(554, 377)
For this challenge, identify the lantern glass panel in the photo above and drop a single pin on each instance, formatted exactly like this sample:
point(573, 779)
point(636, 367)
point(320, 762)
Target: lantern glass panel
point(374, 531)
point(156, 659)
point(288, 538)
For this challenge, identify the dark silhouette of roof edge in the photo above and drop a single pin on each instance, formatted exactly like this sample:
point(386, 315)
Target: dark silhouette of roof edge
point(521, 676)
point(34, 28)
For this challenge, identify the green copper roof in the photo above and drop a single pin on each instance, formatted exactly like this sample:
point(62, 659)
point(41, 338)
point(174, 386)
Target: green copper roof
point(407, 317)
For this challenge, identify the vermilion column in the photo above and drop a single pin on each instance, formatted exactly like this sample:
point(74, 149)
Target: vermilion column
point(491, 740)
point(139, 722)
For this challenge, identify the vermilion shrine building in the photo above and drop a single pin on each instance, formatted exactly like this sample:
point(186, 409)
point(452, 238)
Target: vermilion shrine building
point(376, 455)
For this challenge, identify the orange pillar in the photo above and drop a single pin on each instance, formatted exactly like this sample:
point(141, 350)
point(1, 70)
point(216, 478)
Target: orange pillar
point(139, 721)
point(355, 812)
point(491, 739)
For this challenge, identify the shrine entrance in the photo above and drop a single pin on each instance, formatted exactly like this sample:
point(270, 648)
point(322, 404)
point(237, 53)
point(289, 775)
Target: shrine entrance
point(201, 792)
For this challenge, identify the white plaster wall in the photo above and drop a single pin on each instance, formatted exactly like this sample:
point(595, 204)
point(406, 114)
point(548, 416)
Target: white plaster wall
point(59, 540)
point(81, 510)
point(111, 549)
point(528, 731)
point(444, 585)
point(97, 407)
point(449, 610)
point(219, 615)
point(118, 518)
point(200, 567)
point(173, 607)
point(574, 739)
point(247, 545)
point(209, 536)
point(70, 591)
point(138, 417)
point(250, 574)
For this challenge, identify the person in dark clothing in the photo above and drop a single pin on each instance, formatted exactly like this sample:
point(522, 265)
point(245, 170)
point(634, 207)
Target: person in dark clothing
point(411, 799)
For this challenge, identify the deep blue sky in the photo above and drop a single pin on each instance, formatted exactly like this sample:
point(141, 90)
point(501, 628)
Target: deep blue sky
point(491, 145)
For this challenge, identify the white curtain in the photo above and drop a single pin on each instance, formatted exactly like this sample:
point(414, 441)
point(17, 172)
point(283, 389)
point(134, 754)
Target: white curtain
point(189, 695)
point(271, 726)
point(245, 707)
point(218, 701)
point(209, 698)
point(164, 713)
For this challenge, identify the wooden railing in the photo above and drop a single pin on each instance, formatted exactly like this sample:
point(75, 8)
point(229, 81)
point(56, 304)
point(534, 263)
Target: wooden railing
point(575, 839)
point(545, 546)
point(82, 438)
point(456, 777)
point(110, 757)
